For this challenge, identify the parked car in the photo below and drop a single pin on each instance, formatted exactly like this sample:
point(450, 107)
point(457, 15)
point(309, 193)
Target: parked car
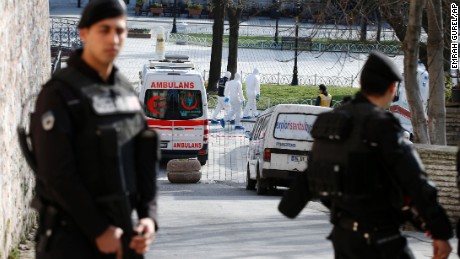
point(280, 145)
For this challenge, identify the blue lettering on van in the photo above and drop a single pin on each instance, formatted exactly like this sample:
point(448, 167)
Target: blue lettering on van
point(280, 144)
point(284, 125)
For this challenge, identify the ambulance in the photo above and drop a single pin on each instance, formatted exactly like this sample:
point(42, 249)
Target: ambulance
point(400, 106)
point(175, 104)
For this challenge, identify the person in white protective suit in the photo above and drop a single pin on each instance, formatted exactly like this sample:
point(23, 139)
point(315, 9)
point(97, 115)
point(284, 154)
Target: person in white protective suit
point(221, 104)
point(234, 93)
point(253, 94)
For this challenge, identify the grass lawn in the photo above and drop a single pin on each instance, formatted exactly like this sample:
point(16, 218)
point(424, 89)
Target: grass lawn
point(295, 94)
point(303, 92)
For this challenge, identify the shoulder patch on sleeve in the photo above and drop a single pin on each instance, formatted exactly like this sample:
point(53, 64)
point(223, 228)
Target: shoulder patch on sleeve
point(48, 120)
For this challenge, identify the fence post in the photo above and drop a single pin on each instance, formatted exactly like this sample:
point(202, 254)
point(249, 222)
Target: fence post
point(279, 75)
point(268, 102)
point(315, 79)
point(351, 81)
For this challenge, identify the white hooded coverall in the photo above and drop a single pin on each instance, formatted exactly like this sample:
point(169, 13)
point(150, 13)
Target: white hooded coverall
point(252, 90)
point(234, 91)
point(221, 98)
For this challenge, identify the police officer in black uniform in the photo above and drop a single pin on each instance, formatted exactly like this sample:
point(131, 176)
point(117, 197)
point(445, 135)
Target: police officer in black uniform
point(96, 159)
point(368, 175)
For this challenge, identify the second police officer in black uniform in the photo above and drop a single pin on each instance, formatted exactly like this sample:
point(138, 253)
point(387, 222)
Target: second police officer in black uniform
point(368, 175)
point(96, 159)
point(222, 102)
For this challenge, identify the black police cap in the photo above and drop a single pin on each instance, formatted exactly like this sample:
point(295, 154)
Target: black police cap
point(380, 66)
point(97, 10)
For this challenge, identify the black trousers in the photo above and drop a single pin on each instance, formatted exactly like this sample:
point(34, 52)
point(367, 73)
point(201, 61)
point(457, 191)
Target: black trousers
point(69, 244)
point(380, 245)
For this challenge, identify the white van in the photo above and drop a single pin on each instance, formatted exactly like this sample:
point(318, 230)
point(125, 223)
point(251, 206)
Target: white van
point(279, 145)
point(175, 104)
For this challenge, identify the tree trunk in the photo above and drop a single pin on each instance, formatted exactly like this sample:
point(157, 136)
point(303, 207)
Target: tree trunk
point(379, 25)
point(394, 16)
point(234, 14)
point(436, 101)
point(215, 64)
point(363, 31)
point(411, 48)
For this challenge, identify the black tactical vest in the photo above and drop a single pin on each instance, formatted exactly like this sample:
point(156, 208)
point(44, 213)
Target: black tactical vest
point(106, 119)
point(221, 86)
point(345, 168)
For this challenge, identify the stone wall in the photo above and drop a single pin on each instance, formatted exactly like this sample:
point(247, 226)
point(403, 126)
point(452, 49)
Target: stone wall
point(25, 57)
point(440, 165)
point(453, 126)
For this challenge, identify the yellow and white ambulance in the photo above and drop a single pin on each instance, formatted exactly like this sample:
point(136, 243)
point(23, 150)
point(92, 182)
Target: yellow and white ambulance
point(175, 104)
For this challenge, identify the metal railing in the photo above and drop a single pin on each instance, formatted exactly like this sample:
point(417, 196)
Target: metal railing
point(286, 79)
point(64, 33)
point(267, 102)
point(312, 46)
point(56, 65)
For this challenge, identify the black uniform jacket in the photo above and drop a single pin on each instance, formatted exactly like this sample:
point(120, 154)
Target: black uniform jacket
point(58, 180)
point(403, 166)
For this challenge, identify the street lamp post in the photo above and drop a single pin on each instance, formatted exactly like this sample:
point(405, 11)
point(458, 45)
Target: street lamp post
point(174, 27)
point(277, 17)
point(295, 79)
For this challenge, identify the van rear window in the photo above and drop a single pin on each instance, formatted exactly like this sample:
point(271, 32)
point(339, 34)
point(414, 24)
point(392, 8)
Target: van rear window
point(294, 126)
point(173, 104)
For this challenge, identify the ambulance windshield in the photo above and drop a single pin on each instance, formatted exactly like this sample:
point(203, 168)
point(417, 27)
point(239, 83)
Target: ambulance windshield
point(173, 104)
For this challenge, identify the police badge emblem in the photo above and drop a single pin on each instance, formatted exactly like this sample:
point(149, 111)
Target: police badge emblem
point(48, 120)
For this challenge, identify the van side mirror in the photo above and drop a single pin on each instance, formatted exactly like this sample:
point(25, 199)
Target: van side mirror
point(396, 97)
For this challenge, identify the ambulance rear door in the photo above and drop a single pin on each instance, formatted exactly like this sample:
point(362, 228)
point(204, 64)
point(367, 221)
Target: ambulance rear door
point(190, 124)
point(177, 108)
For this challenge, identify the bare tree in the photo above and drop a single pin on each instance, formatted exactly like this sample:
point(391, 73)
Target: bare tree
point(234, 10)
point(218, 10)
point(436, 102)
point(411, 47)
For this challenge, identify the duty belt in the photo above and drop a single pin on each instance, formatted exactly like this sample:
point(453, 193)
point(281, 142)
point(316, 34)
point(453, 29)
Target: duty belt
point(369, 231)
point(353, 225)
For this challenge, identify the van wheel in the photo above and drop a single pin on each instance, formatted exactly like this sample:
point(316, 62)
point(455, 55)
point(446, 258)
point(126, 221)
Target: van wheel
point(261, 187)
point(250, 183)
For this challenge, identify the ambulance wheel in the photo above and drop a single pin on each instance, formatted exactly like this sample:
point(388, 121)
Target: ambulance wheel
point(261, 187)
point(250, 184)
point(202, 162)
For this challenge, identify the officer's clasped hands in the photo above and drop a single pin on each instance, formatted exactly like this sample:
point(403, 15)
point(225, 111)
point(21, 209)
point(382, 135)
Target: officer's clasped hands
point(141, 242)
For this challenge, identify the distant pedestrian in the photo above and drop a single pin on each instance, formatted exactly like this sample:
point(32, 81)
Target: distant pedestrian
point(324, 98)
point(222, 102)
point(234, 91)
point(252, 94)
